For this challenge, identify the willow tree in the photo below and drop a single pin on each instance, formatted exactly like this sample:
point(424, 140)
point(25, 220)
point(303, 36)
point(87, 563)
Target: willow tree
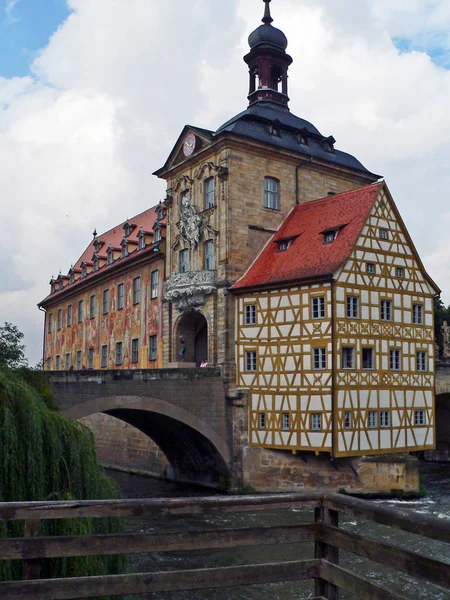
point(45, 456)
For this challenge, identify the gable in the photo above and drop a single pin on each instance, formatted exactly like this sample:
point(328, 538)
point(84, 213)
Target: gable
point(194, 139)
point(384, 241)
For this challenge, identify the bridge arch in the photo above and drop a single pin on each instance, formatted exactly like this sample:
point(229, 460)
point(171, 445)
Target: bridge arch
point(194, 449)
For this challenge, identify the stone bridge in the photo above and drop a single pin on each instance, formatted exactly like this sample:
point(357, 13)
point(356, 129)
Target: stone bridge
point(184, 411)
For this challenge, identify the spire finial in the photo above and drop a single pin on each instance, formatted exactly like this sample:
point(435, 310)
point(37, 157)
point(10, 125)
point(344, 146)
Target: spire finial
point(267, 19)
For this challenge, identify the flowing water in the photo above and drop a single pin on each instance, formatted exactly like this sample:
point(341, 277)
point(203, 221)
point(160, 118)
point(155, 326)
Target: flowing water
point(436, 503)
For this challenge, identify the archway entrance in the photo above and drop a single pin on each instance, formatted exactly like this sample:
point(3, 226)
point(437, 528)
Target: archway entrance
point(193, 327)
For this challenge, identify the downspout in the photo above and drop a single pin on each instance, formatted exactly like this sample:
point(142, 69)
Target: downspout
point(45, 329)
point(297, 169)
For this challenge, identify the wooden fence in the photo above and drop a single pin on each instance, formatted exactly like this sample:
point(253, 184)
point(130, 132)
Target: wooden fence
point(324, 532)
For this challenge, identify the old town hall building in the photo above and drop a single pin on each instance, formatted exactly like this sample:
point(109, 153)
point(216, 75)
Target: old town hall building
point(278, 258)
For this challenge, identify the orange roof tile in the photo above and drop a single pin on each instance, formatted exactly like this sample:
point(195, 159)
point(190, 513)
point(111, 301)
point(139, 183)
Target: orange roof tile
point(307, 256)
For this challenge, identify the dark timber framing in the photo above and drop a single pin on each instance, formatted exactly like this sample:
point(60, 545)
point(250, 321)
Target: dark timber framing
point(324, 532)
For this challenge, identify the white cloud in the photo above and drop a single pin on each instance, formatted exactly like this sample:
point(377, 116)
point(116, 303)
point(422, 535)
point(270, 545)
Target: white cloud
point(117, 82)
point(10, 17)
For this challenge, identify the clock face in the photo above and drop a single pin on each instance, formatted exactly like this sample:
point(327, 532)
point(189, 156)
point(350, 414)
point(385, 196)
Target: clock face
point(189, 144)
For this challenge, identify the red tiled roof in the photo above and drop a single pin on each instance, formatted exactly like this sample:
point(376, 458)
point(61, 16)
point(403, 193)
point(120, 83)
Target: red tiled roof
point(307, 256)
point(147, 219)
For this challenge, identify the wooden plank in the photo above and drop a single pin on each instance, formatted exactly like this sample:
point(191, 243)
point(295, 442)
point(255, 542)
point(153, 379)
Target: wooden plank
point(32, 567)
point(133, 543)
point(424, 525)
point(141, 583)
point(153, 506)
point(325, 516)
point(362, 589)
point(389, 555)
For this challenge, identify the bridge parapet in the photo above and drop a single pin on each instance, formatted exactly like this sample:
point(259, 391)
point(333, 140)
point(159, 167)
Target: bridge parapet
point(442, 382)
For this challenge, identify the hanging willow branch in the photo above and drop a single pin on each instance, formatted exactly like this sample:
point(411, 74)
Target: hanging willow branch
point(44, 456)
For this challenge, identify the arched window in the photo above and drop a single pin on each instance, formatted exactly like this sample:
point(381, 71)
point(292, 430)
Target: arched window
point(271, 193)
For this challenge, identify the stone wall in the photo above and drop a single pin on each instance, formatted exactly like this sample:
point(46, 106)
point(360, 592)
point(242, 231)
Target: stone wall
point(123, 447)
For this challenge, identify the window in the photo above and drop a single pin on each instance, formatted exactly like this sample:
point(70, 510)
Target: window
point(184, 260)
point(72, 277)
point(48, 364)
point(271, 193)
point(69, 316)
point(352, 307)
point(141, 245)
point(385, 418)
point(394, 360)
point(250, 361)
point(153, 347)
point(250, 314)
point(283, 246)
point(67, 362)
point(91, 358)
point(417, 314)
point(370, 268)
point(209, 192)
point(50, 323)
point(92, 306)
point(319, 358)
point(109, 256)
point(83, 271)
point(384, 235)
point(347, 420)
point(386, 310)
point(157, 234)
point(80, 311)
point(262, 421)
point(118, 353)
point(367, 358)
point(78, 360)
point(105, 302)
point(58, 363)
point(329, 236)
point(96, 265)
point(154, 281)
point(348, 358)
point(136, 290)
point(419, 417)
point(316, 421)
point(60, 284)
point(286, 421)
point(120, 296)
point(318, 307)
point(209, 255)
point(135, 350)
point(399, 272)
point(124, 253)
point(104, 362)
point(372, 419)
point(421, 361)
point(59, 319)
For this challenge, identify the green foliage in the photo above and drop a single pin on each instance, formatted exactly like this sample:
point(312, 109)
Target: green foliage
point(441, 314)
point(45, 456)
point(12, 350)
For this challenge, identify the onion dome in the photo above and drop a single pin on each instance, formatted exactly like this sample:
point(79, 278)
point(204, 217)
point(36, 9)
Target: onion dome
point(266, 34)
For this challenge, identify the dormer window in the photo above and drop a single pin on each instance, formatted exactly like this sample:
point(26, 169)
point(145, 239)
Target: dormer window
point(83, 270)
point(330, 236)
point(60, 284)
point(124, 250)
point(302, 139)
point(283, 245)
point(97, 246)
point(96, 264)
point(160, 212)
point(71, 276)
point(157, 234)
point(274, 129)
point(109, 255)
point(141, 242)
point(328, 144)
point(127, 229)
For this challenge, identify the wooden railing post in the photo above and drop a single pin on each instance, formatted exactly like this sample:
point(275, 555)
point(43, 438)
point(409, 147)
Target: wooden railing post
point(32, 567)
point(326, 552)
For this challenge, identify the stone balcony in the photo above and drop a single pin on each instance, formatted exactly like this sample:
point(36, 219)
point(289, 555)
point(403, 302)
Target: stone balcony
point(187, 291)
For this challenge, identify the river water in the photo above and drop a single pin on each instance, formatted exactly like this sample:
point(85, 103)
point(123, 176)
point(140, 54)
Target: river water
point(436, 479)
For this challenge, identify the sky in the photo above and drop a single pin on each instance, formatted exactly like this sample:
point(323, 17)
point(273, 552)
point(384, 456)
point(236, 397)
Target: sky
point(94, 93)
